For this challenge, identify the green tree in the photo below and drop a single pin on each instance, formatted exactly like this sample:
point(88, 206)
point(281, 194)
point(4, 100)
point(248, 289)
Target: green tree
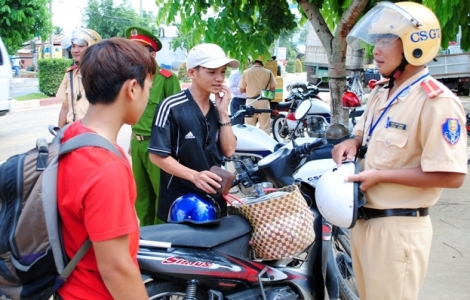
point(286, 40)
point(58, 30)
point(182, 40)
point(22, 20)
point(111, 21)
point(452, 14)
point(245, 28)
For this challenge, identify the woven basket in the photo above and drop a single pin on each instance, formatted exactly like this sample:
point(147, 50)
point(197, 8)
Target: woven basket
point(282, 227)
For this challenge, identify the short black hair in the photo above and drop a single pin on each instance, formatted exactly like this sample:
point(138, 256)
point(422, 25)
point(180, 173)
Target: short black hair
point(258, 61)
point(106, 65)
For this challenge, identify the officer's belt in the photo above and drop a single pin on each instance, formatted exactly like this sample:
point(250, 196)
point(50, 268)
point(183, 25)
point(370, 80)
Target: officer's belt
point(366, 213)
point(141, 137)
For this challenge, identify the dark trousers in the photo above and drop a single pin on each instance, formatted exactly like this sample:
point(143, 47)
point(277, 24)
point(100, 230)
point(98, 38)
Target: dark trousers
point(234, 107)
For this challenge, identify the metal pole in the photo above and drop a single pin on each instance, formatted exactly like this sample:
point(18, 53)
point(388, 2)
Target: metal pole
point(52, 33)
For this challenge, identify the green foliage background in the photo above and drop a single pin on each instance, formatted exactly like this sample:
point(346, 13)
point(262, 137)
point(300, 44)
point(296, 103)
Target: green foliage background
point(22, 20)
point(242, 28)
point(290, 67)
point(50, 74)
point(111, 20)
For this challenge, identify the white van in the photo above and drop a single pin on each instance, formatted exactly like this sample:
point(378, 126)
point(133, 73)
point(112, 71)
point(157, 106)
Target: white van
point(5, 79)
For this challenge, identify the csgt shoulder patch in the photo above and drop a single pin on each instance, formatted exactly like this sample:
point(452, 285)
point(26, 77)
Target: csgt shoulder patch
point(451, 130)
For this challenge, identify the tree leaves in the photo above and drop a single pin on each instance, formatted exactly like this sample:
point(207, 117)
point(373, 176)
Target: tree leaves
point(242, 28)
point(22, 20)
point(249, 27)
point(111, 21)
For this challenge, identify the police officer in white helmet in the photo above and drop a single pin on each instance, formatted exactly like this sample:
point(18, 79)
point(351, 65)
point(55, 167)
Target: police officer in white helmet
point(411, 143)
point(71, 92)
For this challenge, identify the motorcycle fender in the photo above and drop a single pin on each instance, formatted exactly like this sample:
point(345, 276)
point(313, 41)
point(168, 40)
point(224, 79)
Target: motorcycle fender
point(283, 113)
point(311, 171)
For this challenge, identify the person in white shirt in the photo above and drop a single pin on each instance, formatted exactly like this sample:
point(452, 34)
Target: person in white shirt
point(238, 98)
point(16, 65)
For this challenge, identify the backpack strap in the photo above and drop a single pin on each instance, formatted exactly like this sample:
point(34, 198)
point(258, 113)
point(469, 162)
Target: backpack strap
point(75, 260)
point(71, 95)
point(88, 140)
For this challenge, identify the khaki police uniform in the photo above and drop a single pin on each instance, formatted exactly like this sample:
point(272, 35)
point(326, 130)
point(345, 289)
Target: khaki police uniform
point(424, 127)
point(254, 80)
point(74, 97)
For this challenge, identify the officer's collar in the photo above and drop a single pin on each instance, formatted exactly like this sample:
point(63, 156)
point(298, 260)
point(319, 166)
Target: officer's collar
point(407, 86)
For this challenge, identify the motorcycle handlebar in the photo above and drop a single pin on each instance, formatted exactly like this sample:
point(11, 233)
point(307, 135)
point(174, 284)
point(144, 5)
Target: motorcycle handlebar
point(250, 111)
point(307, 148)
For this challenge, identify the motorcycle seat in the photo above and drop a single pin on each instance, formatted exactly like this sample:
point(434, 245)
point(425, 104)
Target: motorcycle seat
point(356, 113)
point(198, 236)
point(283, 105)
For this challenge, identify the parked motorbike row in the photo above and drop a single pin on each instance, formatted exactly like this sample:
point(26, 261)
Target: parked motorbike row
point(215, 262)
point(318, 117)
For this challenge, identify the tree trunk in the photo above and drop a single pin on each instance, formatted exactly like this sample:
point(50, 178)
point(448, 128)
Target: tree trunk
point(335, 47)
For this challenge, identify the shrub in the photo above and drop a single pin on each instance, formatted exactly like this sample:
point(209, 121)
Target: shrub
point(290, 67)
point(50, 74)
point(182, 73)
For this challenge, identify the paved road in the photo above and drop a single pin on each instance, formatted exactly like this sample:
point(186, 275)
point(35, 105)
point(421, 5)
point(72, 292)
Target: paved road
point(24, 86)
point(21, 91)
point(19, 131)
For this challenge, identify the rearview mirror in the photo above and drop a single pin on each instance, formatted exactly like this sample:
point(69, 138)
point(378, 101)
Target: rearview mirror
point(302, 110)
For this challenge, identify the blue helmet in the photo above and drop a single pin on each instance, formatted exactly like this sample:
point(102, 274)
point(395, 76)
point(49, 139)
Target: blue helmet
point(194, 208)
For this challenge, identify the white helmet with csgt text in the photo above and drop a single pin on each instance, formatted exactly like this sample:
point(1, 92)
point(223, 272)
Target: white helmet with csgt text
point(338, 200)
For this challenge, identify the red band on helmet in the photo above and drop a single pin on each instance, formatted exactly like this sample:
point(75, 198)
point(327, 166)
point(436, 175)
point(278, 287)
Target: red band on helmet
point(145, 40)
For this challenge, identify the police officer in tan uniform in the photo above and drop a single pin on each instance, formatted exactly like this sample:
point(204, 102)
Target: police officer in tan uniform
point(252, 82)
point(71, 92)
point(411, 143)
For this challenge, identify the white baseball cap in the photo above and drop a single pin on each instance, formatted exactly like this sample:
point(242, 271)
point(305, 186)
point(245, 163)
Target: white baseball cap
point(209, 56)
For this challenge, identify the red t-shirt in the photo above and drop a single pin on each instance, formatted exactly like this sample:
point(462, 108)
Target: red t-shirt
point(96, 194)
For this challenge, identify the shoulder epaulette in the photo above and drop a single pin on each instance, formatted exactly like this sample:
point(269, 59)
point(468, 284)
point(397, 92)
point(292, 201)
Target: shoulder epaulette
point(165, 73)
point(431, 88)
point(74, 67)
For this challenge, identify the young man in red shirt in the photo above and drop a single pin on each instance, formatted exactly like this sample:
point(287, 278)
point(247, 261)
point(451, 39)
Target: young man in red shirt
point(96, 189)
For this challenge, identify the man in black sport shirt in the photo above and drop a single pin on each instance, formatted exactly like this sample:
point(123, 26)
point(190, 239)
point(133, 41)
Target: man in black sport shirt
point(190, 134)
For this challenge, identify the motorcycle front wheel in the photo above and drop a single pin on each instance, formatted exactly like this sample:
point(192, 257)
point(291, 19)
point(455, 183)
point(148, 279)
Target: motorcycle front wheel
point(343, 265)
point(280, 129)
point(169, 291)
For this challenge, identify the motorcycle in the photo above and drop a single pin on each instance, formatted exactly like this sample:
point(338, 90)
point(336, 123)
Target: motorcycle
point(214, 262)
point(298, 92)
point(289, 164)
point(316, 121)
point(254, 144)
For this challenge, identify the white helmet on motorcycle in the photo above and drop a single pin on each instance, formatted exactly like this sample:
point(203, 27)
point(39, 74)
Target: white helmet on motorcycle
point(338, 200)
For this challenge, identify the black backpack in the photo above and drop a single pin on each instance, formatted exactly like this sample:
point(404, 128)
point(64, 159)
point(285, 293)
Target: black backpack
point(33, 264)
